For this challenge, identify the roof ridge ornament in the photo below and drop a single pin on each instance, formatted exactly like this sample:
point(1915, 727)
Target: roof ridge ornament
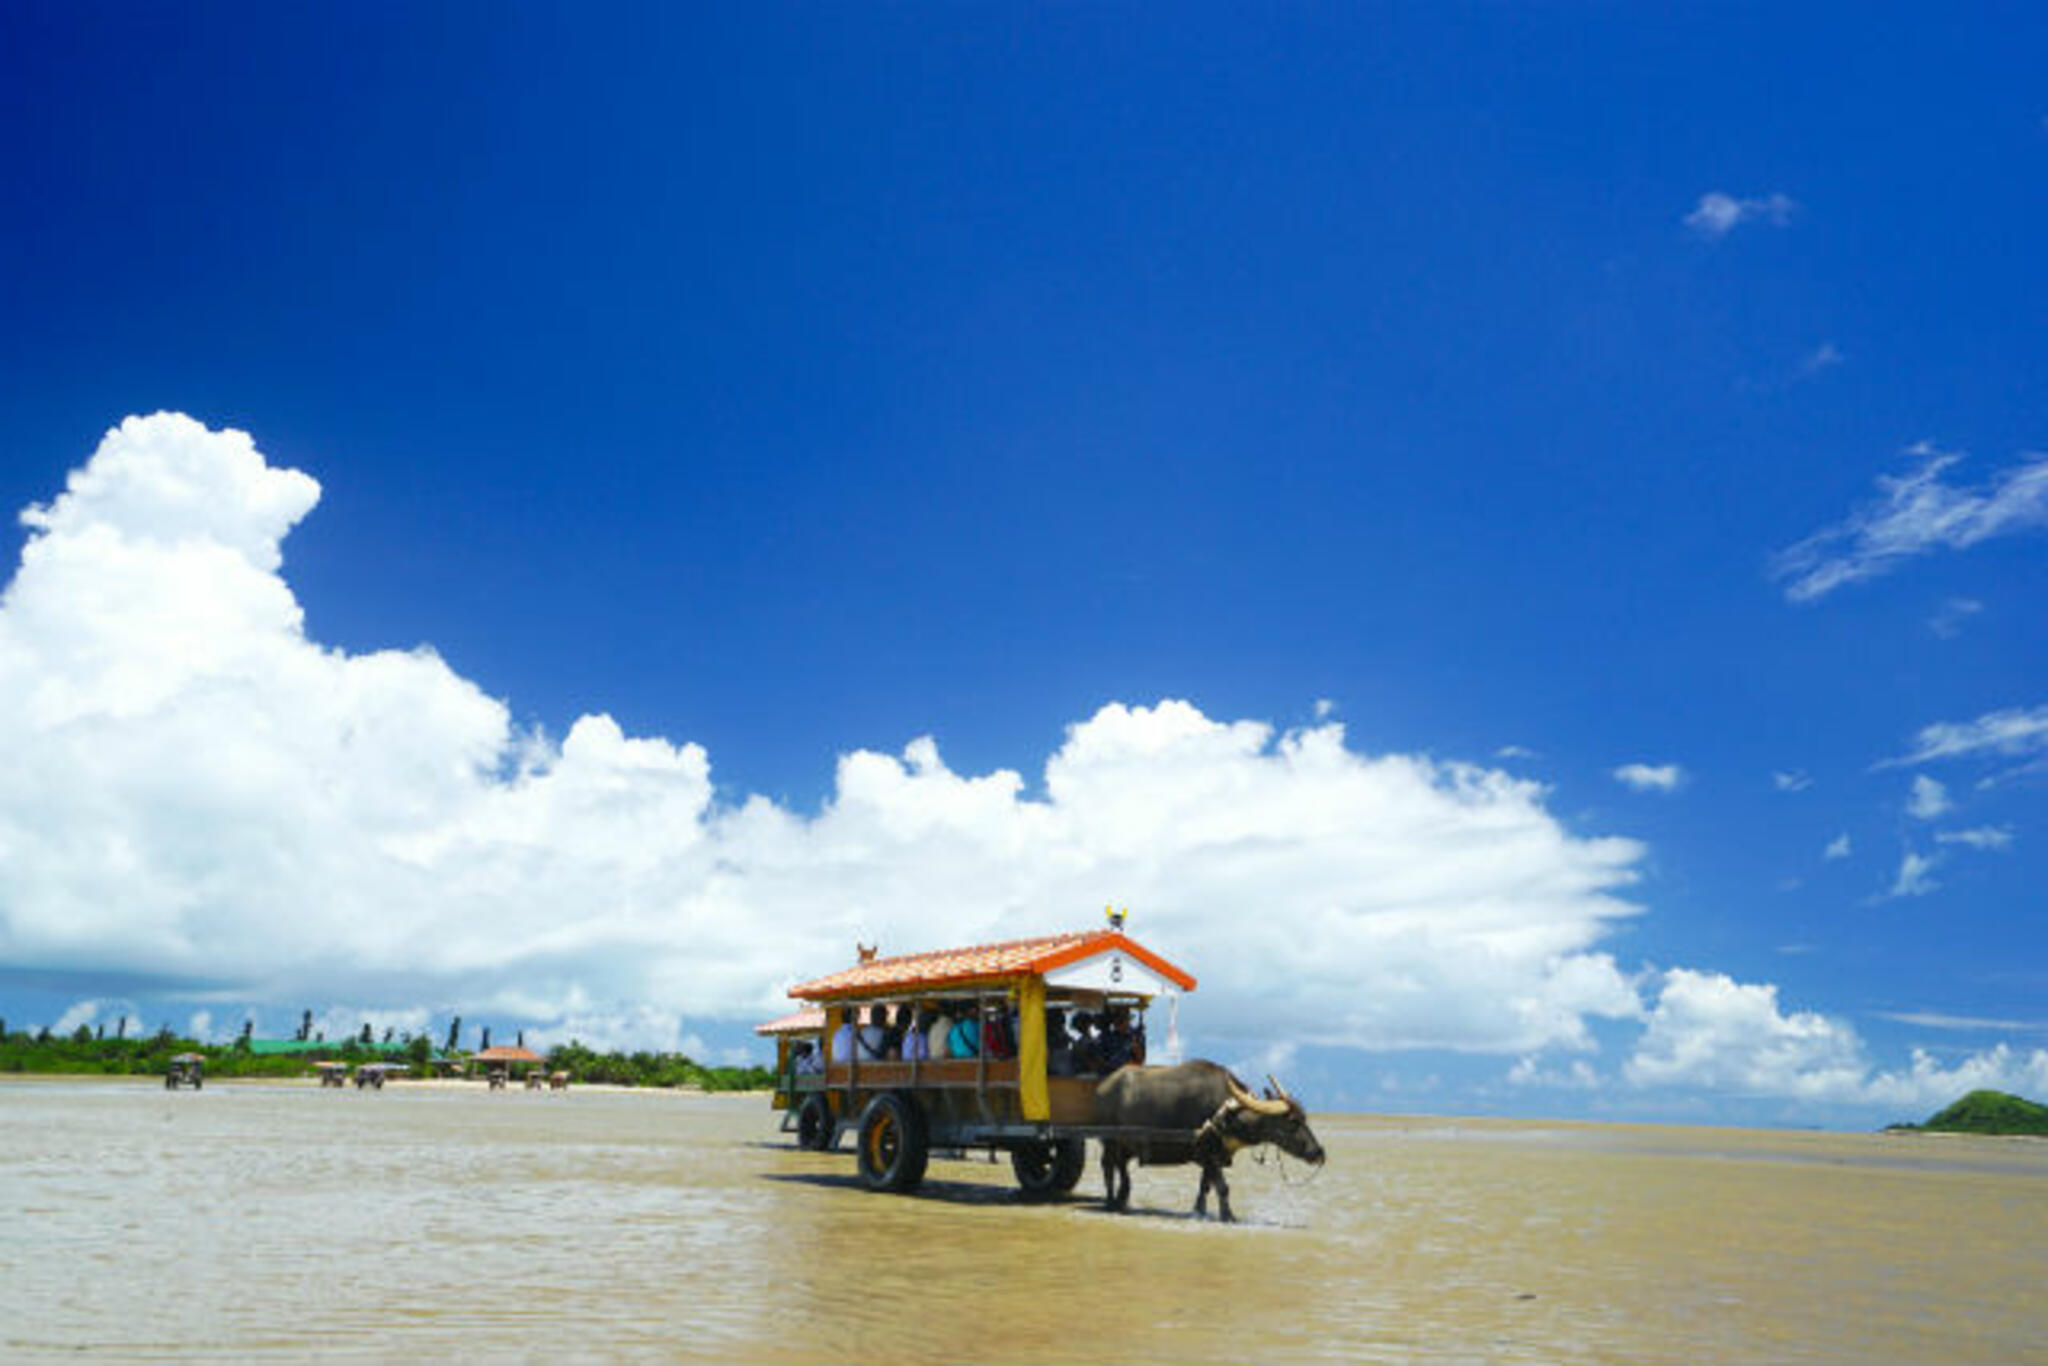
point(1115, 917)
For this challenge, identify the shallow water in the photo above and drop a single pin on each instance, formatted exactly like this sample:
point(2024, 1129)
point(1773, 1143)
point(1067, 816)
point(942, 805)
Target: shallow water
point(257, 1221)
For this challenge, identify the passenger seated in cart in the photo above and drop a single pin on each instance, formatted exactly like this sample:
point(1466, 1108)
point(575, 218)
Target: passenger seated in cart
point(861, 1043)
point(804, 1059)
point(1115, 1046)
point(868, 1040)
point(874, 1035)
point(1059, 1045)
point(963, 1040)
point(936, 1034)
point(917, 1045)
point(1087, 1049)
point(1002, 1036)
point(900, 1032)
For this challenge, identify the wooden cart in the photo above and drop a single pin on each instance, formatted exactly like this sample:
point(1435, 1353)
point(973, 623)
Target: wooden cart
point(1012, 1094)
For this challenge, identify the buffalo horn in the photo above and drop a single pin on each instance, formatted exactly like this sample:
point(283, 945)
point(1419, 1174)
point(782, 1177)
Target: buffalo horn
point(1278, 1089)
point(1252, 1102)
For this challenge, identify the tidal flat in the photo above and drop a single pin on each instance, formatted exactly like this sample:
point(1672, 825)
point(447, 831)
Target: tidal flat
point(281, 1222)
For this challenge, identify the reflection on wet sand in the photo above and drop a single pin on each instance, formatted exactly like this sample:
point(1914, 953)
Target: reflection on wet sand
point(251, 1221)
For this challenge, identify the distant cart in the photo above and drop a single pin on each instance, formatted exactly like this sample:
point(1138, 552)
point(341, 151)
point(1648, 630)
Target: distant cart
point(333, 1074)
point(186, 1069)
point(1016, 1094)
point(375, 1074)
point(498, 1063)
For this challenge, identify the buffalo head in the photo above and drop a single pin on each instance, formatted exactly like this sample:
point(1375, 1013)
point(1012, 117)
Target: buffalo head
point(1276, 1117)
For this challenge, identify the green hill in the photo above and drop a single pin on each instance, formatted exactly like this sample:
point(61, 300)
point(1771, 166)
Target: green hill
point(1988, 1112)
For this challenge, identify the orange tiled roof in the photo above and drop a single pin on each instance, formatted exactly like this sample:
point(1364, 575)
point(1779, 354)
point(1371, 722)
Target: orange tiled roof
point(979, 962)
point(799, 1022)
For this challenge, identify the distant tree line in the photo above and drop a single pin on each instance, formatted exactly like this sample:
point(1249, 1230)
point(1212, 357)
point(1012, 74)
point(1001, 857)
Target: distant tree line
point(654, 1069)
point(1987, 1112)
point(87, 1051)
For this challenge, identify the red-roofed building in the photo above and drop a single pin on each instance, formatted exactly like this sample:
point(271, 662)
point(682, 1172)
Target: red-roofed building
point(797, 1022)
point(1104, 961)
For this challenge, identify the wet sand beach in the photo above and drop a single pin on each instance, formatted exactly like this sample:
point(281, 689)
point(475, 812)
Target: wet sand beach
point(436, 1222)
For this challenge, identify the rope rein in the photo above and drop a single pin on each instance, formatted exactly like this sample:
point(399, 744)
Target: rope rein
point(1212, 1132)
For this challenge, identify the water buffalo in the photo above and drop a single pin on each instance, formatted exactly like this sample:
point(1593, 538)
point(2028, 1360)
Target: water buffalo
point(1213, 1109)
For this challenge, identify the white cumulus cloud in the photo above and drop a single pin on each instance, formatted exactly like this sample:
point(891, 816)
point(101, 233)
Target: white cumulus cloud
point(199, 792)
point(1650, 777)
point(1838, 847)
point(1708, 1030)
point(1925, 1083)
point(1915, 514)
point(1928, 800)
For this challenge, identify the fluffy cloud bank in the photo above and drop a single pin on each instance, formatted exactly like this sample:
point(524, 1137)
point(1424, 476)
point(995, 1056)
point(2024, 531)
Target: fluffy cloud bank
point(202, 796)
point(1710, 1031)
point(201, 799)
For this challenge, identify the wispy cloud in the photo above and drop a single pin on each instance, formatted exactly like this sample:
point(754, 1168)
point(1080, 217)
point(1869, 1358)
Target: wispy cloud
point(1838, 847)
point(2011, 733)
point(1793, 781)
point(1915, 875)
point(1719, 213)
point(1934, 1019)
point(1929, 799)
point(1984, 837)
point(1826, 356)
point(1579, 1075)
point(1948, 622)
point(1650, 777)
point(1914, 514)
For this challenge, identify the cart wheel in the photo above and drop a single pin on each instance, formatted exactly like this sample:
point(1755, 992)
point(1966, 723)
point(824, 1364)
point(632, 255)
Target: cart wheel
point(198, 1083)
point(814, 1125)
point(170, 1081)
point(1048, 1168)
point(893, 1150)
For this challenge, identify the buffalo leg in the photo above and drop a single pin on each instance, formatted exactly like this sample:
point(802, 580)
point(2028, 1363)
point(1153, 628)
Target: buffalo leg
point(1114, 1161)
point(1212, 1175)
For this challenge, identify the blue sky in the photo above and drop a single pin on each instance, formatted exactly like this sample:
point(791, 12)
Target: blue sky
point(1508, 398)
